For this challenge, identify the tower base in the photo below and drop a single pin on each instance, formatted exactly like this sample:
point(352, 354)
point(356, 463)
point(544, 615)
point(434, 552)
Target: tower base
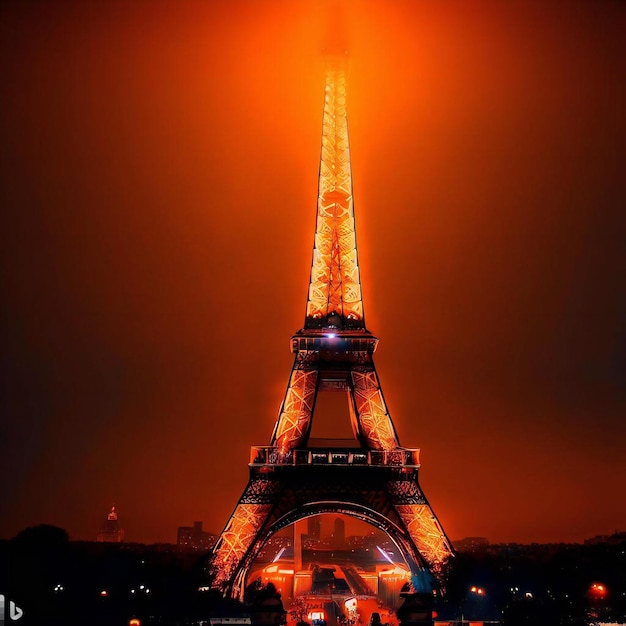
point(379, 488)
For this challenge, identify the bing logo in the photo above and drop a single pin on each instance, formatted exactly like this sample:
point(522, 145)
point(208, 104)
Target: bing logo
point(14, 611)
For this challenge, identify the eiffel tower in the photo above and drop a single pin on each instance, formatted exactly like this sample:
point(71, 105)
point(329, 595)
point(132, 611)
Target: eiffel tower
point(371, 478)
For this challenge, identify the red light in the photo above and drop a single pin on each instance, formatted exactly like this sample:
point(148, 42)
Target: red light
point(598, 590)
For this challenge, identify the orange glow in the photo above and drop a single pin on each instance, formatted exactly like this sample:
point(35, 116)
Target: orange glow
point(158, 218)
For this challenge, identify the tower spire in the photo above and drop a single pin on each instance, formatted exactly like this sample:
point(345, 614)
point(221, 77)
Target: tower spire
point(334, 298)
point(334, 349)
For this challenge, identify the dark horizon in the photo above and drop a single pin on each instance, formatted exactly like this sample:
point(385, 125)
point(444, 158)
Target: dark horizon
point(53, 581)
point(354, 528)
point(159, 170)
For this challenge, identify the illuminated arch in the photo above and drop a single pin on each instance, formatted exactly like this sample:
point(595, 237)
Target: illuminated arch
point(397, 534)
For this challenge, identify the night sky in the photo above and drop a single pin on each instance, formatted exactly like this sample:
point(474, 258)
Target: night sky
point(159, 177)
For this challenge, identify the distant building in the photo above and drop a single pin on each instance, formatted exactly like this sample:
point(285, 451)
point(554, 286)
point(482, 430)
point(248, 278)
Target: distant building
point(111, 532)
point(616, 539)
point(314, 527)
point(195, 538)
point(339, 533)
point(470, 544)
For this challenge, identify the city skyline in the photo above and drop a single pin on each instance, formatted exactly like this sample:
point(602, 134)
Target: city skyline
point(159, 180)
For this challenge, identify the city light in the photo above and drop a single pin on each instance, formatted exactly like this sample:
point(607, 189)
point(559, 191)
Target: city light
point(598, 590)
point(316, 616)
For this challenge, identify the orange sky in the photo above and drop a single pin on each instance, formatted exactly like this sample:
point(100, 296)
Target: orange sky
point(159, 164)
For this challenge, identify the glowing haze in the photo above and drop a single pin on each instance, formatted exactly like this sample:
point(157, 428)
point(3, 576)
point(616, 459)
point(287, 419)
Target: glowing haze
point(159, 180)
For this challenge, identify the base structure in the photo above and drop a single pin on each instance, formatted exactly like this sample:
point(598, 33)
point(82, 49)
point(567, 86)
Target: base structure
point(378, 487)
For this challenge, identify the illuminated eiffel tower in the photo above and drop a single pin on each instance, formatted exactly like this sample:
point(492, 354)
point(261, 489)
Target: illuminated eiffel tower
point(371, 478)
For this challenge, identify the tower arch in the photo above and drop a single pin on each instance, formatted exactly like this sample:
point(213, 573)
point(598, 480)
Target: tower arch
point(395, 532)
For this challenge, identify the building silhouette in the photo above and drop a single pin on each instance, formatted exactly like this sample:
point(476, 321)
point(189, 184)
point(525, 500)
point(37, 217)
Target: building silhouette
point(339, 533)
point(111, 531)
point(314, 527)
point(194, 537)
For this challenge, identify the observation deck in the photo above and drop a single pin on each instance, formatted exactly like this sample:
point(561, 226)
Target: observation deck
point(335, 456)
point(333, 340)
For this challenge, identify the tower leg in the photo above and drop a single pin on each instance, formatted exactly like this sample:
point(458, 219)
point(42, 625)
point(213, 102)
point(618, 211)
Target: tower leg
point(241, 533)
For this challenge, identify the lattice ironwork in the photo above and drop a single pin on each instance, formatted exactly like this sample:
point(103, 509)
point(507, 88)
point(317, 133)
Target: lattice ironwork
point(371, 411)
point(236, 539)
point(294, 419)
point(335, 286)
point(426, 533)
point(406, 492)
point(260, 491)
